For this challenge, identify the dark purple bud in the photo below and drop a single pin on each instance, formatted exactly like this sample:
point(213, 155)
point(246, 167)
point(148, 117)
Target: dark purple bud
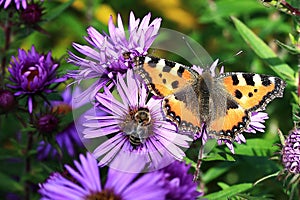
point(47, 123)
point(7, 101)
point(32, 14)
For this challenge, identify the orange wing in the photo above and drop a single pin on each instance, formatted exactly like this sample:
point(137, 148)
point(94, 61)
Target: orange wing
point(163, 77)
point(177, 111)
point(246, 92)
point(253, 91)
point(168, 79)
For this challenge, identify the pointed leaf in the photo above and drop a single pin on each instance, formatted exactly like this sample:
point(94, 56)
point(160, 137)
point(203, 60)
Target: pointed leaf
point(265, 52)
point(228, 192)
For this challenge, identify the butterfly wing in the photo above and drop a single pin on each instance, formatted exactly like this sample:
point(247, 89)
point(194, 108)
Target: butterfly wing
point(173, 82)
point(246, 92)
point(252, 91)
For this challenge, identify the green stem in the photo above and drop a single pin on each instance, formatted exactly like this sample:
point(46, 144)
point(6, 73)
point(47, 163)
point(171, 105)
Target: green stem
point(266, 177)
point(28, 159)
point(28, 164)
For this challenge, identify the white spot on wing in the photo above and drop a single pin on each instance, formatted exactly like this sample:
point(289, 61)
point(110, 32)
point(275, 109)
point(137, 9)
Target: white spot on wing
point(241, 79)
point(257, 79)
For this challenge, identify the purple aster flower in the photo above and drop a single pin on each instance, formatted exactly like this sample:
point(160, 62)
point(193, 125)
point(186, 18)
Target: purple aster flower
point(68, 139)
point(17, 3)
point(134, 125)
point(179, 182)
point(85, 183)
point(32, 73)
point(291, 152)
point(113, 53)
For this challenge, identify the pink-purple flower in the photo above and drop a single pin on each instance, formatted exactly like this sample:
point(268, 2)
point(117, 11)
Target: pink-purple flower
point(32, 74)
point(179, 182)
point(84, 182)
point(113, 53)
point(17, 3)
point(134, 124)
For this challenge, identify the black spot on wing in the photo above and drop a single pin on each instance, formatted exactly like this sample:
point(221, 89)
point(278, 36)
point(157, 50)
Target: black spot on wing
point(180, 71)
point(250, 94)
point(231, 104)
point(169, 63)
point(249, 79)
point(174, 84)
point(235, 80)
point(167, 68)
point(238, 94)
point(153, 61)
point(265, 80)
point(164, 81)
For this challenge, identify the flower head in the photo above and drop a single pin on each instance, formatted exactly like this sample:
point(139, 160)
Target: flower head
point(113, 53)
point(134, 125)
point(179, 182)
point(47, 123)
point(7, 101)
point(67, 139)
point(17, 3)
point(291, 152)
point(32, 14)
point(84, 183)
point(32, 74)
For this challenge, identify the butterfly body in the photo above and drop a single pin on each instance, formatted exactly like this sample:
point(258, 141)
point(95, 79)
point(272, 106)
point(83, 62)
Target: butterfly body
point(191, 97)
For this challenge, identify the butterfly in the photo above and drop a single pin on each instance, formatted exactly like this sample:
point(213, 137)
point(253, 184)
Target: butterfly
point(223, 103)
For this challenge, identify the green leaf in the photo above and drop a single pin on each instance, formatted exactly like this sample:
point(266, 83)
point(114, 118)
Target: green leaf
point(290, 49)
point(256, 147)
point(56, 11)
point(228, 192)
point(264, 52)
point(225, 8)
point(248, 197)
point(8, 184)
point(213, 156)
point(217, 171)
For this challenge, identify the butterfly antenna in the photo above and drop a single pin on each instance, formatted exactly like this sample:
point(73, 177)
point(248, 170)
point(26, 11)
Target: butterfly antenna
point(238, 53)
point(194, 53)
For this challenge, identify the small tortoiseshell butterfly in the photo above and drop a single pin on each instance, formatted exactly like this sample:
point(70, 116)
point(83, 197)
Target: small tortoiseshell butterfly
point(224, 103)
